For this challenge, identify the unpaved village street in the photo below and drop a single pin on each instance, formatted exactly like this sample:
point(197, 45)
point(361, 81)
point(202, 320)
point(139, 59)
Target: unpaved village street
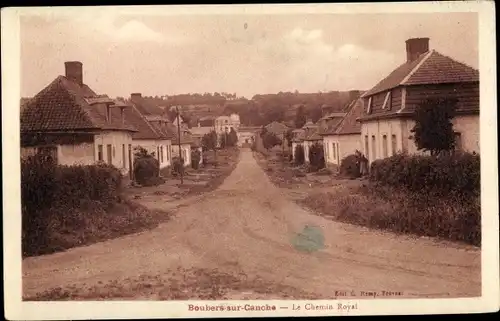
point(244, 231)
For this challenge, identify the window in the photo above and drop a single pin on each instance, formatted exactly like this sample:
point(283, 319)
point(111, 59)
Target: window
point(124, 156)
point(387, 101)
point(99, 153)
point(109, 152)
point(384, 146)
point(338, 153)
point(333, 147)
point(369, 109)
point(458, 142)
point(374, 148)
point(161, 153)
point(366, 146)
point(393, 143)
point(113, 151)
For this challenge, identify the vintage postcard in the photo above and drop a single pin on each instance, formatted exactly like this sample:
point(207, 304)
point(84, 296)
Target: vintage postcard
point(249, 160)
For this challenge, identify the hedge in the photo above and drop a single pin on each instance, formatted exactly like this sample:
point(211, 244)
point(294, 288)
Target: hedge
point(456, 173)
point(46, 186)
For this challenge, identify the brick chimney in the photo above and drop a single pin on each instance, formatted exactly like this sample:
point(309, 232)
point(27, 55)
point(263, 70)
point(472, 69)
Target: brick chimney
point(415, 47)
point(135, 95)
point(74, 71)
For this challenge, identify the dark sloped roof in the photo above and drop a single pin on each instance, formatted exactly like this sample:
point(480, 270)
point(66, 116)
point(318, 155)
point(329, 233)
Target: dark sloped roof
point(172, 131)
point(277, 128)
point(146, 106)
point(349, 124)
point(438, 69)
point(429, 68)
point(145, 130)
point(63, 106)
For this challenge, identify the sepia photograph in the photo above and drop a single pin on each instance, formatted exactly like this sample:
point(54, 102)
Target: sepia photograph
point(250, 160)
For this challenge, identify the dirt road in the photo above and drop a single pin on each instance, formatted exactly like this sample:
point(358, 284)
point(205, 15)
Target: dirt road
point(241, 237)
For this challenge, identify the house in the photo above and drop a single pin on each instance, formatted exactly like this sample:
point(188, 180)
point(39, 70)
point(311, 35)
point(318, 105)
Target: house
point(297, 139)
point(247, 135)
point(152, 134)
point(76, 126)
point(306, 136)
point(389, 106)
point(224, 124)
point(343, 138)
point(185, 140)
point(278, 129)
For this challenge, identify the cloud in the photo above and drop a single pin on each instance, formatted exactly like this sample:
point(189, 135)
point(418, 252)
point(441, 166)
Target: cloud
point(130, 31)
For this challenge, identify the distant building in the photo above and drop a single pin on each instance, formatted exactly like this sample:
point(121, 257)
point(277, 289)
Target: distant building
point(152, 127)
point(342, 138)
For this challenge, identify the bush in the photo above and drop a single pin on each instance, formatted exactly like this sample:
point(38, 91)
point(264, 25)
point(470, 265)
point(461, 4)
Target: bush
point(146, 170)
point(177, 166)
point(195, 158)
point(316, 157)
point(444, 174)
point(46, 187)
point(350, 166)
point(299, 155)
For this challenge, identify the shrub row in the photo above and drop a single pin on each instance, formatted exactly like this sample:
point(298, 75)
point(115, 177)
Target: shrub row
point(457, 173)
point(452, 217)
point(48, 188)
point(45, 184)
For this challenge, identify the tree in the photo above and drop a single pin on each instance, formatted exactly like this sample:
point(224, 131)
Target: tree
point(316, 156)
point(232, 138)
point(299, 155)
point(288, 137)
point(433, 130)
point(315, 113)
point(300, 117)
point(209, 141)
point(269, 140)
point(223, 138)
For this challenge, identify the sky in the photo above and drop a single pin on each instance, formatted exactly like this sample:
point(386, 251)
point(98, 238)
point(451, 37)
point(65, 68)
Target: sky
point(242, 54)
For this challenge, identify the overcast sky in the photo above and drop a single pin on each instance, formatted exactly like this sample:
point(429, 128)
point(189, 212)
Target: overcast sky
point(245, 54)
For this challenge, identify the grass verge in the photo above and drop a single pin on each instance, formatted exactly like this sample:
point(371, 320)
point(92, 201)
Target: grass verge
point(453, 217)
point(92, 222)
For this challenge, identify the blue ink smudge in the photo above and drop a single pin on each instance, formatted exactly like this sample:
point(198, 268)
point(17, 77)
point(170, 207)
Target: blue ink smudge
point(309, 240)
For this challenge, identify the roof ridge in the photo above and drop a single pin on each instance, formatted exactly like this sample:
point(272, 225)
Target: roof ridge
point(414, 70)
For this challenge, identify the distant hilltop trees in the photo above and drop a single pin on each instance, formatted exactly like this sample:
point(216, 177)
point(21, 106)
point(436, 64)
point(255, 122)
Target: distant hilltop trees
point(262, 108)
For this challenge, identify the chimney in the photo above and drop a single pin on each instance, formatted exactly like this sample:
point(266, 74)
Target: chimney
point(135, 95)
point(415, 47)
point(74, 71)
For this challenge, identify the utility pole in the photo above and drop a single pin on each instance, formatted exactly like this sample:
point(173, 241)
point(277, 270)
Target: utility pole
point(179, 143)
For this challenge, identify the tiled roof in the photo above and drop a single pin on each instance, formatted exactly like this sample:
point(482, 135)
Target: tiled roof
point(62, 106)
point(300, 134)
point(172, 131)
point(349, 124)
point(145, 130)
point(277, 128)
point(200, 131)
point(438, 69)
point(429, 68)
point(146, 107)
point(312, 134)
point(331, 125)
